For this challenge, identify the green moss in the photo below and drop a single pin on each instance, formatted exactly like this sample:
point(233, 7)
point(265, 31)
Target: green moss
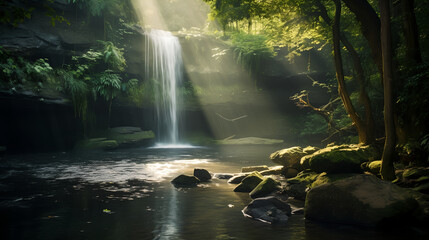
point(306, 177)
point(249, 182)
point(264, 188)
point(324, 178)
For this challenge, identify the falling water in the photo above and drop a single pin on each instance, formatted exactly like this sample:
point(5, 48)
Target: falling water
point(164, 66)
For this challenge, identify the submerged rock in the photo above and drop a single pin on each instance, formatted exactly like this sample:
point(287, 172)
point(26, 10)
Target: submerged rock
point(223, 175)
point(96, 143)
point(254, 168)
point(237, 179)
point(185, 181)
point(202, 174)
point(249, 182)
point(361, 200)
point(268, 209)
point(267, 186)
point(339, 159)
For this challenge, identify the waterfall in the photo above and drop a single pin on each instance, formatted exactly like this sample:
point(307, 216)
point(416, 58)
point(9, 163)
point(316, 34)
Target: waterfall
point(163, 65)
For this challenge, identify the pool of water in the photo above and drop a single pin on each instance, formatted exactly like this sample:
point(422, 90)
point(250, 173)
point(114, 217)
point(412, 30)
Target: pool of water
point(126, 194)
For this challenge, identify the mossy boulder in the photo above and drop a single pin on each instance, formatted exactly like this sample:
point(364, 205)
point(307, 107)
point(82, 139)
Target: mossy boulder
point(249, 182)
point(339, 159)
point(362, 200)
point(290, 157)
point(185, 181)
point(324, 178)
point(131, 136)
point(267, 186)
point(306, 177)
point(96, 143)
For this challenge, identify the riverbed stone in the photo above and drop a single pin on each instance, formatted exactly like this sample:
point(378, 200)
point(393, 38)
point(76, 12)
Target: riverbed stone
point(267, 186)
point(249, 182)
point(202, 174)
point(269, 210)
point(254, 168)
point(362, 200)
point(339, 159)
point(185, 181)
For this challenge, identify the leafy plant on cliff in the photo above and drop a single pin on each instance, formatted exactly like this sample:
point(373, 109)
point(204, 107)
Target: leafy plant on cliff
point(249, 50)
point(78, 91)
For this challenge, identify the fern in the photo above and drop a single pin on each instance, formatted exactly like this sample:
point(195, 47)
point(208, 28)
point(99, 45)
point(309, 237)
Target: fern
point(78, 91)
point(113, 56)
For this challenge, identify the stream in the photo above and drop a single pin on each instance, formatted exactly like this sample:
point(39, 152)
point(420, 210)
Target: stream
point(127, 194)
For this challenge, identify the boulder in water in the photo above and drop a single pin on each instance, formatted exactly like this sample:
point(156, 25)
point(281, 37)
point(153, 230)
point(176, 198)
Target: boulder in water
point(268, 209)
point(267, 186)
point(249, 183)
point(185, 181)
point(289, 157)
point(202, 174)
point(361, 200)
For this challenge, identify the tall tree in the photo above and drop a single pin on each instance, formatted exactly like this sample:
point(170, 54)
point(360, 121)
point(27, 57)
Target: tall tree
point(367, 136)
point(342, 90)
point(387, 169)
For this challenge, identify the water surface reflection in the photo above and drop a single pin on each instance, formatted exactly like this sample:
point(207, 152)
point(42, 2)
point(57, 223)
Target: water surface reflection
point(127, 195)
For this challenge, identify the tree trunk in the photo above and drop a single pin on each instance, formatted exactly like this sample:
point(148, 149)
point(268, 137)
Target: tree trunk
point(411, 32)
point(387, 169)
point(370, 25)
point(342, 90)
point(363, 95)
point(360, 77)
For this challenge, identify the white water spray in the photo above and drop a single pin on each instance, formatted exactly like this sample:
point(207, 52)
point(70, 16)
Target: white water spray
point(164, 65)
